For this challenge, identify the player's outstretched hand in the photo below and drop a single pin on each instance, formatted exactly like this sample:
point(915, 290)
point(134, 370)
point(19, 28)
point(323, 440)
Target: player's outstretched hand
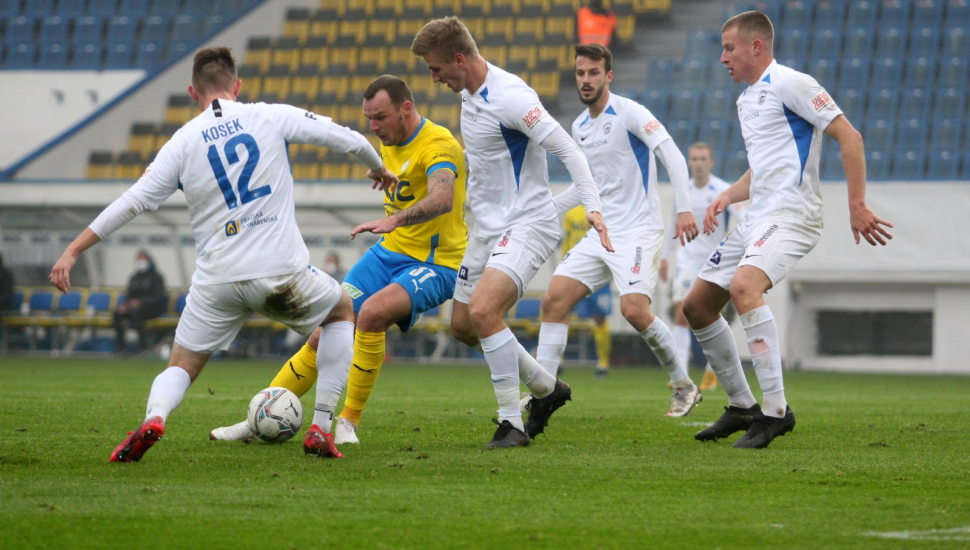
point(663, 270)
point(713, 211)
point(866, 223)
point(685, 228)
point(378, 227)
point(383, 178)
point(595, 219)
point(61, 273)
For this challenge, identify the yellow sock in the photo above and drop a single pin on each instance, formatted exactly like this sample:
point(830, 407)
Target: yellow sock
point(299, 373)
point(604, 344)
point(368, 359)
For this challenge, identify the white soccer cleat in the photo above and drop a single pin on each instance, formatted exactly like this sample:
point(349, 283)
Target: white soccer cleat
point(683, 400)
point(524, 403)
point(236, 432)
point(345, 432)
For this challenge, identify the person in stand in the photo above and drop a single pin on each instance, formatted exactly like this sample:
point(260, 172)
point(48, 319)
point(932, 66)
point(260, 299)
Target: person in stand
point(144, 301)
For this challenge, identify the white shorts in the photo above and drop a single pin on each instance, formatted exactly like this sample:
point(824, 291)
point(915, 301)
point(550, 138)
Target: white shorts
point(683, 281)
point(519, 253)
point(214, 314)
point(773, 246)
point(632, 268)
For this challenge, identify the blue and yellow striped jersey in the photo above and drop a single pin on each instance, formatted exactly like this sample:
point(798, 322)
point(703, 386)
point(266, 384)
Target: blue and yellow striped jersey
point(441, 241)
point(575, 228)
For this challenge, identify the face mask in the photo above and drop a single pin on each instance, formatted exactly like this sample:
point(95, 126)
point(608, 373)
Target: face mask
point(329, 268)
point(142, 265)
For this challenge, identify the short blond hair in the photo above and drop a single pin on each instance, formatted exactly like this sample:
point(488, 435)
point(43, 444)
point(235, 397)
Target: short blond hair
point(751, 24)
point(445, 38)
point(702, 145)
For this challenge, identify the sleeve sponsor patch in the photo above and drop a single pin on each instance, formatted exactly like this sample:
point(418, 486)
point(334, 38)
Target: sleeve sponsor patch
point(651, 127)
point(532, 117)
point(821, 100)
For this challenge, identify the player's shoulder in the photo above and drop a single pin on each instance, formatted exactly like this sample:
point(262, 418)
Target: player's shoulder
point(788, 79)
point(582, 120)
point(717, 184)
point(508, 90)
point(628, 109)
point(436, 132)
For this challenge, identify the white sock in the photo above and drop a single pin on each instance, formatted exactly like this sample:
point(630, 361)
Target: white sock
point(661, 342)
point(682, 341)
point(708, 367)
point(334, 354)
point(167, 391)
point(552, 343)
point(722, 354)
point(501, 353)
point(759, 325)
point(539, 382)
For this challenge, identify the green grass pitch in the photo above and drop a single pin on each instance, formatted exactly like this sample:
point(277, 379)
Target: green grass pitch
point(874, 461)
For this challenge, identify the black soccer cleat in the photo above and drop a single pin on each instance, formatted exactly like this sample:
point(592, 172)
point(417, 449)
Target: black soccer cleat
point(541, 409)
point(507, 436)
point(765, 429)
point(734, 419)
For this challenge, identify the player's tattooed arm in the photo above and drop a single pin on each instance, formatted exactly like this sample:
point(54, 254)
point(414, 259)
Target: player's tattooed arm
point(440, 199)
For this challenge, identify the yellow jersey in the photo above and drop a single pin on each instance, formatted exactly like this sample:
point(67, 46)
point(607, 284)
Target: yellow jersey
point(575, 228)
point(441, 241)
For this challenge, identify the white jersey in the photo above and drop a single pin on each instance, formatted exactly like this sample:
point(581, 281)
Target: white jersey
point(693, 255)
point(782, 117)
point(502, 124)
point(231, 162)
point(619, 146)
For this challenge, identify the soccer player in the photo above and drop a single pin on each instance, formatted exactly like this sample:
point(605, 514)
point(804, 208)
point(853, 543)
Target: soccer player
point(507, 132)
point(620, 138)
point(597, 305)
point(783, 114)
point(705, 187)
point(412, 268)
point(231, 164)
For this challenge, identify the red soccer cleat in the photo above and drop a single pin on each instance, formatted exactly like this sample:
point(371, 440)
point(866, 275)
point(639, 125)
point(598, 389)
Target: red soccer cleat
point(318, 443)
point(139, 441)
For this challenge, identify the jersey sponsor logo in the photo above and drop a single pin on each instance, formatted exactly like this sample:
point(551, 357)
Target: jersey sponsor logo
point(652, 127)
point(310, 115)
point(637, 258)
point(441, 155)
point(146, 172)
point(353, 291)
point(505, 239)
point(715, 258)
point(595, 144)
point(463, 273)
point(821, 100)
point(221, 130)
point(532, 117)
point(751, 117)
point(764, 237)
point(469, 116)
point(232, 228)
point(762, 97)
point(607, 128)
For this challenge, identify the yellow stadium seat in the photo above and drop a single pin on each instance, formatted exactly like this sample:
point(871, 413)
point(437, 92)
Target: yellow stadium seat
point(252, 79)
point(561, 54)
point(524, 53)
point(560, 26)
point(388, 10)
point(359, 83)
point(277, 81)
point(422, 84)
point(380, 33)
point(306, 166)
point(407, 28)
point(565, 6)
point(476, 26)
point(373, 140)
point(297, 24)
point(504, 8)
point(494, 54)
point(343, 57)
point(323, 26)
point(546, 85)
point(142, 138)
point(656, 6)
point(528, 28)
point(259, 52)
point(180, 109)
point(499, 28)
point(335, 171)
point(336, 85)
point(357, 171)
point(445, 115)
point(534, 8)
point(354, 9)
point(626, 27)
point(372, 61)
point(306, 81)
point(316, 52)
point(400, 61)
point(416, 8)
point(165, 133)
point(446, 8)
point(355, 29)
point(129, 166)
point(100, 165)
point(287, 52)
point(333, 5)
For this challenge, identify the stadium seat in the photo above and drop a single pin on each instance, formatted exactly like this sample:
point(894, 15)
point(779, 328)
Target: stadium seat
point(54, 29)
point(88, 30)
point(142, 138)
point(862, 14)
point(307, 81)
point(167, 8)
point(928, 13)
point(21, 56)
point(954, 73)
point(878, 135)
point(720, 105)
point(119, 56)
point(545, 84)
point(718, 78)
point(121, 30)
point(154, 29)
point(859, 42)
point(129, 166)
point(656, 102)
point(701, 45)
point(824, 71)
point(715, 132)
point(185, 28)
point(920, 73)
point(287, 52)
point(735, 165)
point(277, 81)
point(911, 132)
point(70, 302)
point(103, 8)
point(894, 14)
point(389, 10)
point(882, 104)
point(946, 134)
point(176, 50)
point(943, 165)
point(88, 56)
point(924, 42)
point(53, 56)
point(41, 300)
point(797, 16)
point(949, 103)
point(685, 105)
point(891, 42)
point(660, 74)
point(693, 75)
point(134, 8)
point(306, 166)
point(259, 52)
point(854, 73)
point(99, 165)
point(887, 73)
point(525, 54)
point(351, 33)
point(956, 42)
point(343, 61)
point(380, 33)
point(69, 8)
point(877, 165)
point(852, 101)
point(793, 43)
point(165, 133)
point(297, 24)
point(564, 27)
point(830, 15)
point(315, 52)
point(832, 168)
point(252, 80)
point(827, 44)
point(908, 165)
point(99, 302)
point(20, 30)
point(37, 8)
point(682, 132)
point(180, 109)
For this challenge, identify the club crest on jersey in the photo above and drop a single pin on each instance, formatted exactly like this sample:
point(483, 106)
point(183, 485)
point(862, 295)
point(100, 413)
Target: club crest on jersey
point(821, 100)
point(762, 97)
point(532, 117)
point(463, 273)
point(607, 128)
point(405, 167)
point(232, 228)
point(636, 261)
point(652, 127)
point(715, 258)
point(764, 237)
point(505, 239)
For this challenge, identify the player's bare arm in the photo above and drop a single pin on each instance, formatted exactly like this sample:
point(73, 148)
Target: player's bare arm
point(738, 192)
point(383, 178)
point(595, 219)
point(61, 273)
point(440, 199)
point(864, 221)
point(685, 227)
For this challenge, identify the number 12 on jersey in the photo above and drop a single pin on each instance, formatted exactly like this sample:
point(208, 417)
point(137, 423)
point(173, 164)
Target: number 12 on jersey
point(246, 195)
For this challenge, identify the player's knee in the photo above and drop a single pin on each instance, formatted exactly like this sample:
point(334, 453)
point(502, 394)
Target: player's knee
point(553, 307)
point(479, 313)
point(373, 318)
point(694, 312)
point(637, 315)
point(743, 293)
point(343, 311)
point(464, 333)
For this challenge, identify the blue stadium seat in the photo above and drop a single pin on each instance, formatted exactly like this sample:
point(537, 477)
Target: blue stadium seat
point(924, 42)
point(54, 29)
point(38, 8)
point(232, 6)
point(176, 50)
point(957, 13)
point(53, 56)
point(103, 8)
point(168, 8)
point(42, 300)
point(887, 73)
point(660, 74)
point(797, 16)
point(720, 105)
point(895, 14)
point(956, 42)
point(118, 57)
point(953, 73)
point(945, 134)
point(19, 30)
point(21, 56)
point(719, 78)
point(702, 45)
point(88, 56)
point(715, 132)
point(943, 165)
point(854, 73)
point(949, 103)
point(832, 168)
point(213, 24)
point(920, 73)
point(735, 165)
point(859, 42)
point(9, 8)
point(185, 28)
point(891, 42)
point(928, 13)
point(99, 301)
point(915, 103)
point(771, 8)
point(830, 15)
point(148, 56)
point(827, 44)
point(682, 132)
point(70, 8)
point(656, 101)
point(911, 133)
point(134, 8)
point(693, 75)
point(685, 105)
point(792, 43)
point(882, 104)
point(877, 165)
point(852, 101)
point(908, 165)
point(154, 29)
point(862, 14)
point(121, 30)
point(797, 63)
point(824, 71)
point(737, 138)
point(88, 30)
point(878, 135)
point(70, 302)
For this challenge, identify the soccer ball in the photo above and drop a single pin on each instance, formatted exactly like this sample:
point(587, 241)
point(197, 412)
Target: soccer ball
point(275, 415)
